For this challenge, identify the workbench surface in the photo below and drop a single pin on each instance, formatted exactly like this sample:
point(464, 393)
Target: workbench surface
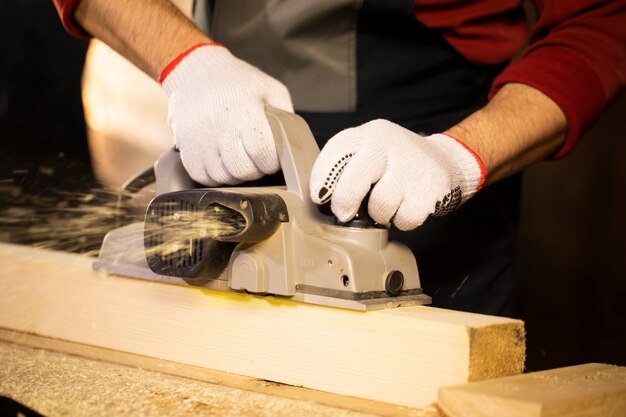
point(58, 384)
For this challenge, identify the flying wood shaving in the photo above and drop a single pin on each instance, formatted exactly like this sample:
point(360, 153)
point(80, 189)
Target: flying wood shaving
point(73, 222)
point(77, 222)
point(180, 230)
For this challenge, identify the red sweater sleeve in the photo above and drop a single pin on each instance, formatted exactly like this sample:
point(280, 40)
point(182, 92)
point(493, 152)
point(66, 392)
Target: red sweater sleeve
point(66, 8)
point(577, 57)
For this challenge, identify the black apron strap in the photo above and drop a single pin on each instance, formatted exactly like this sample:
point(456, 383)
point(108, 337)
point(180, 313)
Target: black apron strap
point(408, 74)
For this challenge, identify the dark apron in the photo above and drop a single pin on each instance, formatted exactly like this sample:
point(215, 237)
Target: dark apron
point(404, 72)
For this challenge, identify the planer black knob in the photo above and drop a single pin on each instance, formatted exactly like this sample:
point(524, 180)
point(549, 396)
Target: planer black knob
point(394, 282)
point(362, 219)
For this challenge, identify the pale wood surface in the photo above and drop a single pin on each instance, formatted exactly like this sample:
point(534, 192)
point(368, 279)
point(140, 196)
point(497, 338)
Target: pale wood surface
point(189, 372)
point(399, 356)
point(58, 384)
point(590, 390)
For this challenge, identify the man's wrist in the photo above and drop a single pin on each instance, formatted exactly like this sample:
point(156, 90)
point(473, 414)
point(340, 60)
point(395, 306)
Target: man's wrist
point(518, 127)
point(170, 67)
point(474, 157)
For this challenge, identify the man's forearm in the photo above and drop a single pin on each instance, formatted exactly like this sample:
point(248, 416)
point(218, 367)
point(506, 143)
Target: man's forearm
point(518, 127)
point(149, 33)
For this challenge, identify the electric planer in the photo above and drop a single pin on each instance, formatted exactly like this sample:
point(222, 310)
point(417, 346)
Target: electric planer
point(263, 240)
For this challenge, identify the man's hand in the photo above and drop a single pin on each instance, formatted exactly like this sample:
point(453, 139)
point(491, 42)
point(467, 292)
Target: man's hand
point(414, 176)
point(217, 113)
point(216, 101)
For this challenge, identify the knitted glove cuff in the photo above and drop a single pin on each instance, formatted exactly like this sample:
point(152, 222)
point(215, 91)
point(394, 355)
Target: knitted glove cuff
point(176, 61)
point(471, 171)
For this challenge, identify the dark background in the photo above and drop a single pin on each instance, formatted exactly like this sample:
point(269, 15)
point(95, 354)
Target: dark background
point(571, 288)
point(41, 115)
point(571, 259)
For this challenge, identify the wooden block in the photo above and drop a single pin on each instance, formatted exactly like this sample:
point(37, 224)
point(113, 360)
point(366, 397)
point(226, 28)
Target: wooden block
point(399, 356)
point(577, 391)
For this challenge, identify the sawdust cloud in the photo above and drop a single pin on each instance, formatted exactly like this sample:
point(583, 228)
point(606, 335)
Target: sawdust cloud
point(179, 230)
point(60, 219)
point(77, 222)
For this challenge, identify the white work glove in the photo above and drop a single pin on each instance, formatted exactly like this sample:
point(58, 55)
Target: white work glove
point(217, 113)
point(415, 176)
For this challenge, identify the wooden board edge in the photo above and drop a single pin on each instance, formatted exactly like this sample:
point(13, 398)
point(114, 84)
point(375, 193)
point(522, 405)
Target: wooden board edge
point(510, 340)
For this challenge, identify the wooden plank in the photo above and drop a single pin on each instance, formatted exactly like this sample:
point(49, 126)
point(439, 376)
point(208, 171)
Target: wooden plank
point(588, 390)
point(399, 356)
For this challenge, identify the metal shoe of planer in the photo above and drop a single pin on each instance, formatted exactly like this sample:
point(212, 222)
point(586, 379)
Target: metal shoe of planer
point(264, 240)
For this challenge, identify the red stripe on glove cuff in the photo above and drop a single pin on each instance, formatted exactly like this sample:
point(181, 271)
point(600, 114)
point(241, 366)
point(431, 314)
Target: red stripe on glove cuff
point(170, 67)
point(483, 169)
